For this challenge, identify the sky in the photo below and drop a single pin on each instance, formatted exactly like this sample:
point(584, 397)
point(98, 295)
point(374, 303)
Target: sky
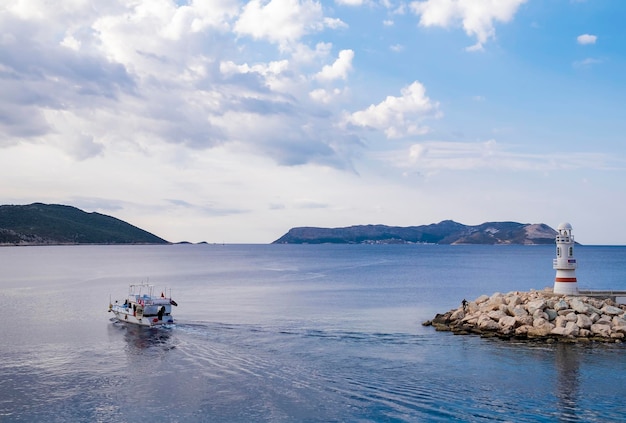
point(233, 121)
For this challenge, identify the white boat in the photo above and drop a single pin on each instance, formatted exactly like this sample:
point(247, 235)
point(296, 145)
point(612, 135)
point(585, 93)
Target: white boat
point(144, 306)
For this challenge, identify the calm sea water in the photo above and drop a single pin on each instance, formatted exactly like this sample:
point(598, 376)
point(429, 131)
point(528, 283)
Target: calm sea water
point(288, 333)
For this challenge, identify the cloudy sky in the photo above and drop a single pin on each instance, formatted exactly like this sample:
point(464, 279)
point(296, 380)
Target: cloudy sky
point(233, 121)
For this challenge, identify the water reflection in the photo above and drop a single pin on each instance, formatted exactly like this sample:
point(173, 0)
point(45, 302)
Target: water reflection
point(567, 363)
point(560, 363)
point(142, 340)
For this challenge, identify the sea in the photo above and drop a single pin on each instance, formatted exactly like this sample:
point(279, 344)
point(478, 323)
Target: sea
point(293, 333)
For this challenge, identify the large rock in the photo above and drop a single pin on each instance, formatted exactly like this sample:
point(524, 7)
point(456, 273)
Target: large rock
point(583, 321)
point(507, 322)
point(457, 315)
point(471, 318)
point(497, 297)
point(496, 314)
point(536, 305)
point(560, 322)
point(612, 311)
point(541, 322)
point(578, 306)
point(539, 331)
point(561, 305)
point(481, 299)
point(602, 330)
point(540, 327)
point(525, 320)
point(494, 303)
point(571, 329)
point(518, 311)
point(487, 324)
point(619, 329)
point(596, 303)
point(618, 321)
point(552, 314)
point(514, 300)
point(442, 318)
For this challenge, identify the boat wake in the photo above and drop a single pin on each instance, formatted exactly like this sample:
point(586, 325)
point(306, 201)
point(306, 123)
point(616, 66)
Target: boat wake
point(293, 370)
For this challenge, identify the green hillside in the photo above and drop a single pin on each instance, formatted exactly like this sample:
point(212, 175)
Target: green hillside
point(50, 224)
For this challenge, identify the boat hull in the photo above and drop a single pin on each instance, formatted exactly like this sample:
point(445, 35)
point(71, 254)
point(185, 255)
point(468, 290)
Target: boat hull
point(132, 318)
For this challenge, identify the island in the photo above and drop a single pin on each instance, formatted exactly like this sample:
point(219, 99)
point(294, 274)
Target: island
point(445, 232)
point(54, 224)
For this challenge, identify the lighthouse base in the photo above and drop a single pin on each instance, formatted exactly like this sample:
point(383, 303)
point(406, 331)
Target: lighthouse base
point(565, 281)
point(566, 288)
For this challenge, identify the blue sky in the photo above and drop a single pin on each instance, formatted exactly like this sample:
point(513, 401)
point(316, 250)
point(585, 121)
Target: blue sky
point(233, 121)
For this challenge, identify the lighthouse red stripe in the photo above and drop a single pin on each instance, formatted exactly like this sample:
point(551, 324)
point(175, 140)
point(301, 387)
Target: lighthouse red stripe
point(564, 279)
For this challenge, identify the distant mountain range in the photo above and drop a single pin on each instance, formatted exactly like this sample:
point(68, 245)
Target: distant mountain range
point(445, 232)
point(53, 224)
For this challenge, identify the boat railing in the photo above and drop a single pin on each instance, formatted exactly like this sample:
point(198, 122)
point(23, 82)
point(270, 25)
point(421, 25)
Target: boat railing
point(149, 300)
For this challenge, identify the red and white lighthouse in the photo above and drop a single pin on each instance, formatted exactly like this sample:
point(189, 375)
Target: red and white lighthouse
point(565, 264)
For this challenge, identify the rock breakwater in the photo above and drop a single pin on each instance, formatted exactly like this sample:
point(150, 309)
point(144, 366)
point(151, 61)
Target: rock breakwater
point(537, 315)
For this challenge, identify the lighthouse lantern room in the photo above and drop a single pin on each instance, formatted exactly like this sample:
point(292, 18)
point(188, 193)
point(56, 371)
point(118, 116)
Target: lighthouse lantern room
point(565, 264)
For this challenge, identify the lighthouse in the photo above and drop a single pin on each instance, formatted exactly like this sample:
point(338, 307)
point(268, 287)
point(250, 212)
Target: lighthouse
point(565, 263)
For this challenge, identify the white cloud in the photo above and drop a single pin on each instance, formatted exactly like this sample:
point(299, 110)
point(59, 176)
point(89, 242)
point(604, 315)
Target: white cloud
point(306, 55)
point(271, 73)
point(477, 17)
point(151, 72)
point(334, 23)
point(398, 116)
point(451, 155)
point(199, 15)
point(586, 63)
point(282, 22)
point(339, 69)
point(586, 39)
point(435, 156)
point(70, 42)
point(350, 2)
point(322, 95)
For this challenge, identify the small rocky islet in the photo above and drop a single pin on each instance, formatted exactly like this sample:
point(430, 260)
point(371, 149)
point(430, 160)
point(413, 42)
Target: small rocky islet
point(537, 315)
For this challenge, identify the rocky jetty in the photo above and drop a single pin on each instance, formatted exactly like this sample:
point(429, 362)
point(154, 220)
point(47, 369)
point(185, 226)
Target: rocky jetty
point(537, 315)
